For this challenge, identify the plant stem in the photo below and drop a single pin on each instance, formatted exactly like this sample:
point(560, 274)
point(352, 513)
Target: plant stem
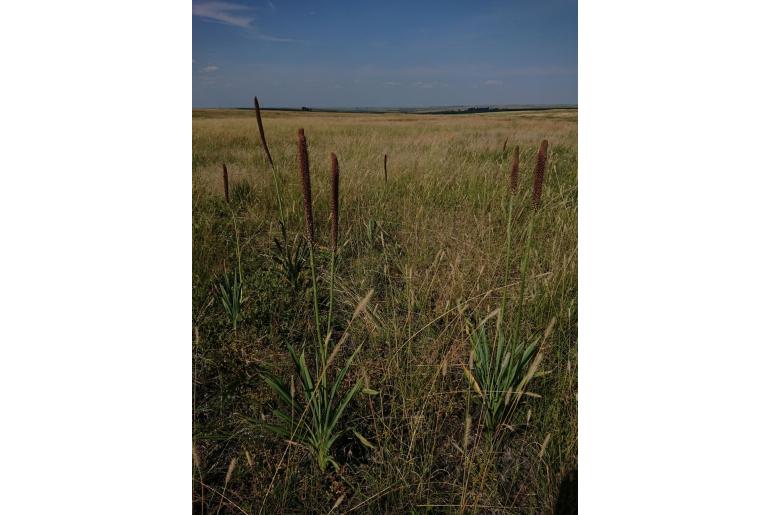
point(239, 278)
point(331, 294)
point(321, 342)
point(278, 194)
point(524, 268)
point(508, 244)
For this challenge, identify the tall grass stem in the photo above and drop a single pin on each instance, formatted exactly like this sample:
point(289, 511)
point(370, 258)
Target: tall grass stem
point(523, 286)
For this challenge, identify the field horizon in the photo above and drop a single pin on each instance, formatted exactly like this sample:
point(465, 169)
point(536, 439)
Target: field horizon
point(427, 109)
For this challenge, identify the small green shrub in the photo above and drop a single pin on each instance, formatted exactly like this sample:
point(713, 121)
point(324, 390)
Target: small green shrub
point(291, 258)
point(230, 289)
point(312, 418)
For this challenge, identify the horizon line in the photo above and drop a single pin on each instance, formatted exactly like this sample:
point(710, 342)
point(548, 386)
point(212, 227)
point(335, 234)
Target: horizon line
point(396, 107)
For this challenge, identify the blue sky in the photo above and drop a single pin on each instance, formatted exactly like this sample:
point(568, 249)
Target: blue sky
point(383, 53)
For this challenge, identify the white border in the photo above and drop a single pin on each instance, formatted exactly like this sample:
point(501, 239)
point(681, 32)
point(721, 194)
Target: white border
point(96, 215)
point(95, 366)
point(673, 257)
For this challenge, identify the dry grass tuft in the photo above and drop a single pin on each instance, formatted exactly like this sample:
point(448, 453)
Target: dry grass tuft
point(427, 247)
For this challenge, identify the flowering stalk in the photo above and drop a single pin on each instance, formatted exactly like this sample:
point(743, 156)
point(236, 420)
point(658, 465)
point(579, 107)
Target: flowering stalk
point(335, 190)
point(304, 175)
point(226, 183)
point(272, 166)
point(262, 131)
point(514, 182)
point(385, 166)
point(335, 185)
point(537, 190)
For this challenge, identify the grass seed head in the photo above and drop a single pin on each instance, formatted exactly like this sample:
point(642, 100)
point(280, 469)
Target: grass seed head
point(196, 457)
point(385, 166)
point(262, 131)
point(537, 191)
point(335, 199)
point(304, 176)
point(467, 433)
point(230, 470)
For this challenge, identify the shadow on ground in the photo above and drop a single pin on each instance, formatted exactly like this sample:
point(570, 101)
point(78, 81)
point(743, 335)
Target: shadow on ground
point(567, 503)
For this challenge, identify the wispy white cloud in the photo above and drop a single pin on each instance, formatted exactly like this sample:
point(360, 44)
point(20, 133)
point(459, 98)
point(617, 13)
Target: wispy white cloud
point(236, 15)
point(274, 39)
point(429, 85)
point(209, 69)
point(493, 82)
point(543, 71)
point(271, 5)
point(481, 73)
point(391, 83)
point(224, 12)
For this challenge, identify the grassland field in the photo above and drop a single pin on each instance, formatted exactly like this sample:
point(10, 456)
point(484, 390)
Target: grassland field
point(430, 243)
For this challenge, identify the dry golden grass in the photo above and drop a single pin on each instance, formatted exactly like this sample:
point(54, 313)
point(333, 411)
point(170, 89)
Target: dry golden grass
point(429, 242)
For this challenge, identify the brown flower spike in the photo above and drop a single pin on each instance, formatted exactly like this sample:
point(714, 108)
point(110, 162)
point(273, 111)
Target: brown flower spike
point(515, 170)
point(537, 190)
point(385, 166)
point(304, 177)
point(226, 183)
point(262, 131)
point(335, 198)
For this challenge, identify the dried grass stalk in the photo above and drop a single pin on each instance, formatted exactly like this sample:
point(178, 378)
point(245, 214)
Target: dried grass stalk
point(262, 131)
point(230, 470)
point(304, 176)
point(228, 477)
point(335, 199)
point(226, 183)
point(537, 190)
point(505, 145)
point(196, 457)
